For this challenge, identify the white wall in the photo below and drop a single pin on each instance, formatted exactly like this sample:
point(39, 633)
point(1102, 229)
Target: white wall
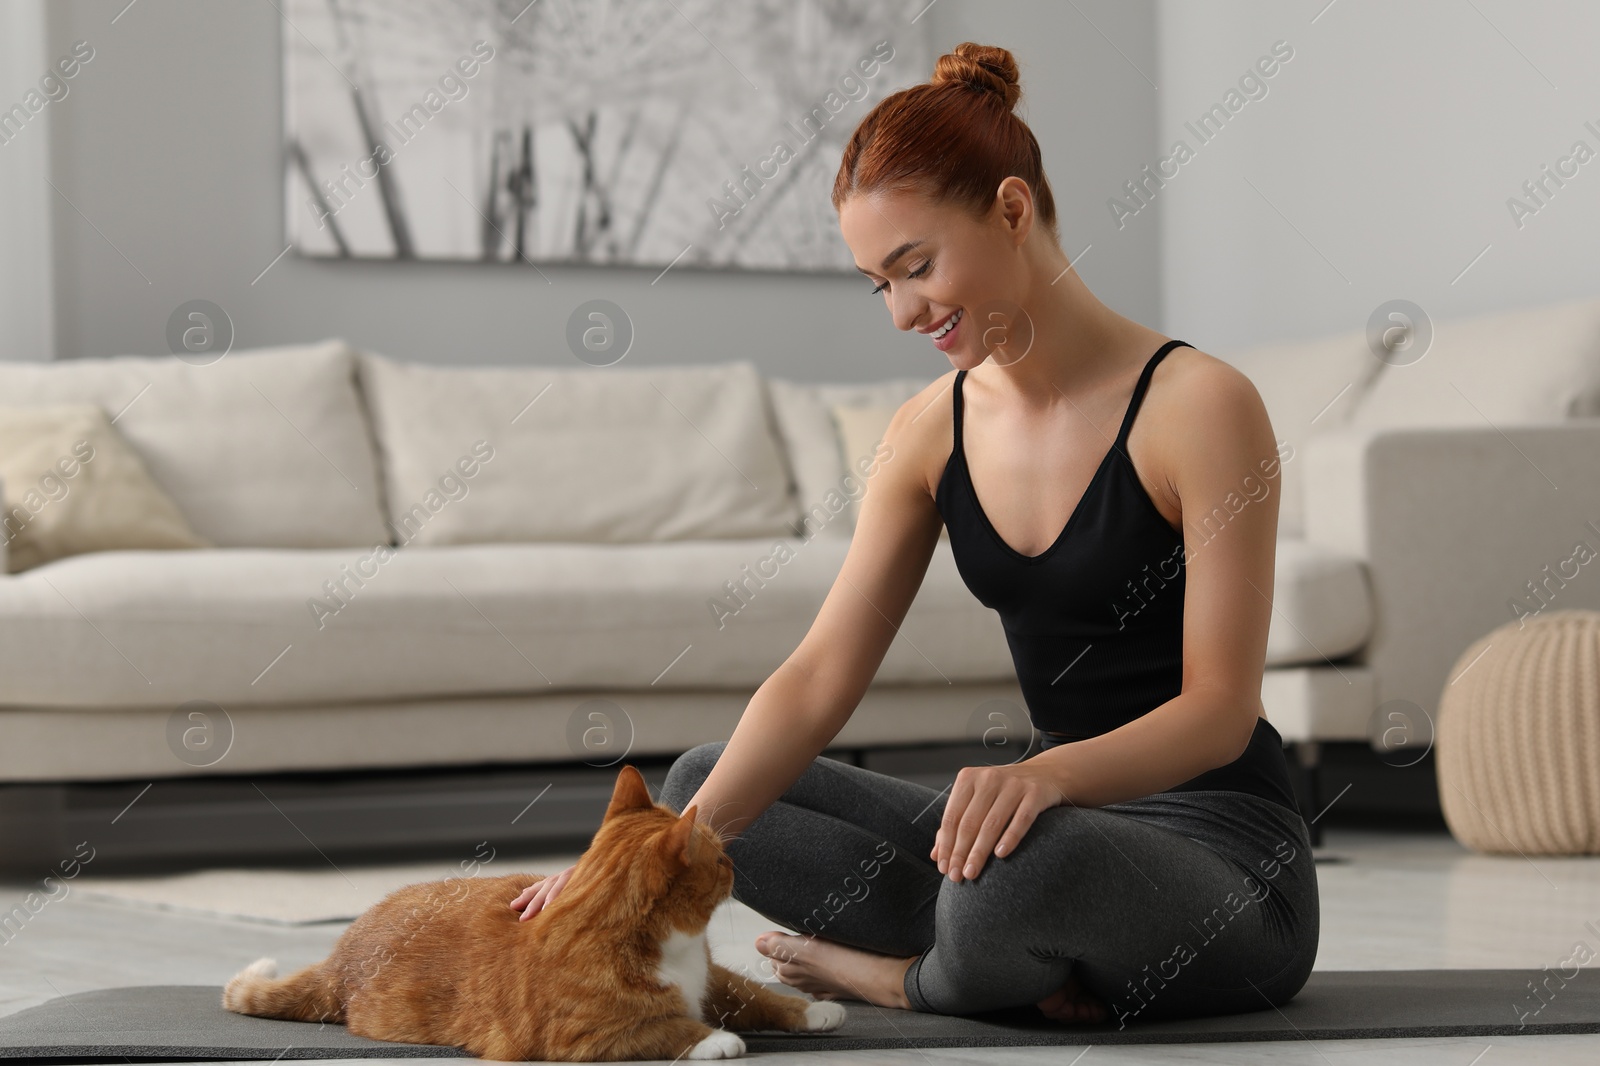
point(1378, 165)
point(27, 321)
point(171, 145)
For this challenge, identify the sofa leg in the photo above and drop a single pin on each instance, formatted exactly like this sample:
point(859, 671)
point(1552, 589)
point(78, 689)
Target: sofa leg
point(32, 823)
point(1308, 754)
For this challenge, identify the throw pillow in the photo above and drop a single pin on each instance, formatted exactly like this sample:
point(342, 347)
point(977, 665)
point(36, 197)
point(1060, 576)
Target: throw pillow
point(72, 484)
point(861, 428)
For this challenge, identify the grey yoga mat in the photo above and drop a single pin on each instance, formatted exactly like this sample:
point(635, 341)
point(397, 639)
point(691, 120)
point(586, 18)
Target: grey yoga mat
point(188, 1022)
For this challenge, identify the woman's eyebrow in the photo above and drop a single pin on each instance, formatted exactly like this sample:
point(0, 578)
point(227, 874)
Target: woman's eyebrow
point(889, 259)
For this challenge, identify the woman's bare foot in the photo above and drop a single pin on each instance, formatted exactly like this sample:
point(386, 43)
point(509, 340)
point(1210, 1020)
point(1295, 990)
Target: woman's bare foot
point(1070, 1003)
point(829, 970)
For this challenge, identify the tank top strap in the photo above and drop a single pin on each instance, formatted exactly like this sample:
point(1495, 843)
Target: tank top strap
point(960, 376)
point(1139, 390)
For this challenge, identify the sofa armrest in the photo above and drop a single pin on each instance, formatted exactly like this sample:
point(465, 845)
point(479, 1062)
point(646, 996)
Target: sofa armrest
point(1462, 529)
point(5, 533)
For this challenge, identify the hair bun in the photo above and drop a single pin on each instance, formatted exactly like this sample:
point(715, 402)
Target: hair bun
point(981, 66)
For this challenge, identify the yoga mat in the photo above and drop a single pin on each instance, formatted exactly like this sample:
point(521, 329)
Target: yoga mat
point(188, 1022)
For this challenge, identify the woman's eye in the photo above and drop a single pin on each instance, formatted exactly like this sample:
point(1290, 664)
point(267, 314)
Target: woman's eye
point(917, 273)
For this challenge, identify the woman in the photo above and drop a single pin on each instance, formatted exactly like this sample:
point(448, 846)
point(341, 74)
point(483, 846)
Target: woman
point(1150, 861)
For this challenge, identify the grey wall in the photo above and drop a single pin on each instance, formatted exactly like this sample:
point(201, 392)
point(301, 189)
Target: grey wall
point(1379, 164)
point(27, 315)
point(170, 147)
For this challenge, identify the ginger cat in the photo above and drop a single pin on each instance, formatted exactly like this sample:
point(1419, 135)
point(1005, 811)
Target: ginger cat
point(616, 967)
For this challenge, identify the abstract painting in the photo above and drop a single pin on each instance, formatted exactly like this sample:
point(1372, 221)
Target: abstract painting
point(637, 132)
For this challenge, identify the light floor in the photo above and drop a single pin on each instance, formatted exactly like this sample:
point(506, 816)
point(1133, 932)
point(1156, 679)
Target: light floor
point(1394, 901)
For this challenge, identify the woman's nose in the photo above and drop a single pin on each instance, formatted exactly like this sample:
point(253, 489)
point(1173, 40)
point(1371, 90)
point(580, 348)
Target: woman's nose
point(905, 310)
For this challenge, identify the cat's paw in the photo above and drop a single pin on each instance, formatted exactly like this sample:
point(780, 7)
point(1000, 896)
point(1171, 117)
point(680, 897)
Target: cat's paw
point(719, 1044)
point(824, 1015)
point(236, 993)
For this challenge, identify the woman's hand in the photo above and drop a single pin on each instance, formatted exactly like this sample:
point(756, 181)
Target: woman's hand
point(537, 896)
point(991, 807)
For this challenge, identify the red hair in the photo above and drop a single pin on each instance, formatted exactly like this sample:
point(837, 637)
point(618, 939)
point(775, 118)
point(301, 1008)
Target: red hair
point(953, 138)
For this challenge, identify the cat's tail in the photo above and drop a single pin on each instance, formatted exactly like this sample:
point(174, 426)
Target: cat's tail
point(306, 996)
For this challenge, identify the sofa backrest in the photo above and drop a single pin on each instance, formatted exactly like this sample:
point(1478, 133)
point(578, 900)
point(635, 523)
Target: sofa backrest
point(1533, 365)
point(538, 453)
point(272, 447)
point(264, 448)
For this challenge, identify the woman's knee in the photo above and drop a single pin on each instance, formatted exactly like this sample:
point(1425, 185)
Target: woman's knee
point(1005, 896)
point(1064, 869)
point(992, 946)
point(688, 771)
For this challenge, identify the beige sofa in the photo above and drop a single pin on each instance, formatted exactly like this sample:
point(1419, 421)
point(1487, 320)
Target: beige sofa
point(584, 561)
point(642, 547)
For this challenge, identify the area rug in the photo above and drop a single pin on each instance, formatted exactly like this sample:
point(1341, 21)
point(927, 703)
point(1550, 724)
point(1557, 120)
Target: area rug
point(188, 1022)
point(288, 897)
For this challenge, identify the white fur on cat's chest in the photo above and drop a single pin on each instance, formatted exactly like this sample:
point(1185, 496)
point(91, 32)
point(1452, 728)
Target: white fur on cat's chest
point(685, 963)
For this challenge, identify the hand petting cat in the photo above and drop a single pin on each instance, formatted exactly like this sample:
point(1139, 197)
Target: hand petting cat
point(536, 896)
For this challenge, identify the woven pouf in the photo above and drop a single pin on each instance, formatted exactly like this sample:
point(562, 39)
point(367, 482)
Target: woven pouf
point(1518, 738)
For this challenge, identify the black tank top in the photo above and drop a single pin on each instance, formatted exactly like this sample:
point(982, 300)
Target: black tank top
point(1095, 621)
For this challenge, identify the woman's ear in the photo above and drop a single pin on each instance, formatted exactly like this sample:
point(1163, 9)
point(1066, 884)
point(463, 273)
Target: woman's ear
point(1014, 201)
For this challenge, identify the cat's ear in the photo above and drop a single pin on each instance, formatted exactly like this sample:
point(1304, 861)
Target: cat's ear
point(677, 841)
point(631, 792)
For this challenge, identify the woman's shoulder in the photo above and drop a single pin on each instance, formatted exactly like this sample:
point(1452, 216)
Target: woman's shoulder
point(1199, 412)
point(1188, 380)
point(922, 431)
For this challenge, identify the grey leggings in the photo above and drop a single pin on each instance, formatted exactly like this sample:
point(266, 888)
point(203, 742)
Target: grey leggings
point(1174, 905)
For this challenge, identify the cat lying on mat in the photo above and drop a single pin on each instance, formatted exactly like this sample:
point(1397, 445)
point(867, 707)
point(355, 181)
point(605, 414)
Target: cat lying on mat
point(616, 967)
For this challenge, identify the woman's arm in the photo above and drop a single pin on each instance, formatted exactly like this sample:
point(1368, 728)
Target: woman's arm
point(798, 710)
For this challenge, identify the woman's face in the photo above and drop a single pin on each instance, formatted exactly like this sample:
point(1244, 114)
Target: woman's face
point(935, 262)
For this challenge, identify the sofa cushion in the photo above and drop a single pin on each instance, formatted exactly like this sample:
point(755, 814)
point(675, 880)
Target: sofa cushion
point(806, 424)
point(1532, 365)
point(264, 448)
point(240, 626)
point(76, 486)
point(578, 455)
point(264, 627)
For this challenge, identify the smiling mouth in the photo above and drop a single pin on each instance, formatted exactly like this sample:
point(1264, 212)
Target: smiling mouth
point(949, 325)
